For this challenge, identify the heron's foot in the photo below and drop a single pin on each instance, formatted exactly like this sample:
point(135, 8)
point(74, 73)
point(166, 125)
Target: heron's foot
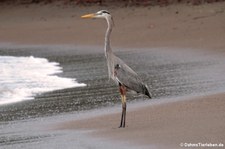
point(121, 126)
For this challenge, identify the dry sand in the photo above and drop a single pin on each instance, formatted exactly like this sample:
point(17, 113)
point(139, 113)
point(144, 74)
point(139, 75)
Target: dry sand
point(174, 26)
point(199, 119)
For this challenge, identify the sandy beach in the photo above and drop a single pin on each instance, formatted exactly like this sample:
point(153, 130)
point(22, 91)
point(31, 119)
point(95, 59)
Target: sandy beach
point(174, 26)
point(156, 124)
point(166, 125)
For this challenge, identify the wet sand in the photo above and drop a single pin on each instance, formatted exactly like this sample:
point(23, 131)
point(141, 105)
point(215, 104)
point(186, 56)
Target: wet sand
point(179, 28)
point(166, 125)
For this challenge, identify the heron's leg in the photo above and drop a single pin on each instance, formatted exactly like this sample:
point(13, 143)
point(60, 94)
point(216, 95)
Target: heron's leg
point(124, 110)
point(123, 100)
point(121, 122)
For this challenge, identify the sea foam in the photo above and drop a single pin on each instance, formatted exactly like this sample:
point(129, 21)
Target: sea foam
point(21, 78)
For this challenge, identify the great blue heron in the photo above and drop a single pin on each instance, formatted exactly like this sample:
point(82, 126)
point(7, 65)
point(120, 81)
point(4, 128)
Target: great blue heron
point(118, 71)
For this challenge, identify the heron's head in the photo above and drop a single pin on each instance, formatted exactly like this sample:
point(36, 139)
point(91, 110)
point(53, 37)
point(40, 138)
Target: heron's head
point(100, 14)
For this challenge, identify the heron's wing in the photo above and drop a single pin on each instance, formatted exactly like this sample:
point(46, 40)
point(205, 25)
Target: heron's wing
point(125, 67)
point(126, 76)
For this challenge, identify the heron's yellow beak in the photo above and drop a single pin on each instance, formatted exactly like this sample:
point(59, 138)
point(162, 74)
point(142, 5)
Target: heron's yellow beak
point(88, 16)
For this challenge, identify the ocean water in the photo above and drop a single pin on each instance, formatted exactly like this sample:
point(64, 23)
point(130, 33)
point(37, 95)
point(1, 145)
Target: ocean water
point(21, 78)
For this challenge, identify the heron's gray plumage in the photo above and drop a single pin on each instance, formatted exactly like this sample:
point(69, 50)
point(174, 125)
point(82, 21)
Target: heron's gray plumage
point(125, 75)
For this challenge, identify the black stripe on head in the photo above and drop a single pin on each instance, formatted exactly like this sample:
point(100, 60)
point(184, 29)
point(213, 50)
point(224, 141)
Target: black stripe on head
point(105, 11)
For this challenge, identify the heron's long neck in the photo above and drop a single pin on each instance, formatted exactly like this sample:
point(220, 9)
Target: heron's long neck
point(107, 37)
point(108, 51)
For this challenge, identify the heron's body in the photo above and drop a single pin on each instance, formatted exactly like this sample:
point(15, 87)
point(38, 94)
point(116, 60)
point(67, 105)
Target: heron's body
point(118, 71)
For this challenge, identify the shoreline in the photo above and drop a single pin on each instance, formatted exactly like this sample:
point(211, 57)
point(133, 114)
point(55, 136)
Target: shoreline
point(167, 125)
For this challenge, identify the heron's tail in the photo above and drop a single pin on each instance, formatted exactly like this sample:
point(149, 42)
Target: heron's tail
point(146, 91)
